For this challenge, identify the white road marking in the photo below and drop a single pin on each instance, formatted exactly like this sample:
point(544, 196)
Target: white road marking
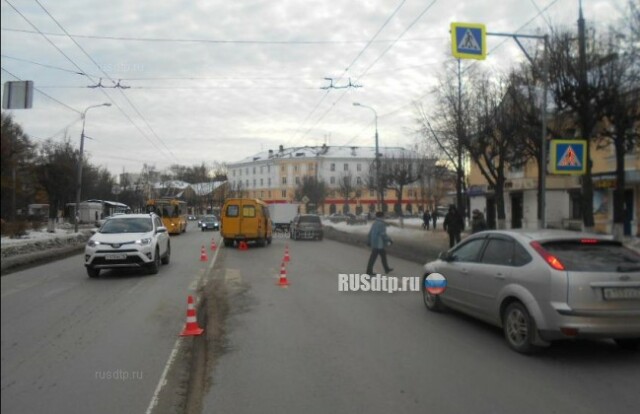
point(163, 378)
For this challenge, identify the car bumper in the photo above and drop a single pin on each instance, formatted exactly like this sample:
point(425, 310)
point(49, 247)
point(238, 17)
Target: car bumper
point(131, 259)
point(308, 234)
point(592, 324)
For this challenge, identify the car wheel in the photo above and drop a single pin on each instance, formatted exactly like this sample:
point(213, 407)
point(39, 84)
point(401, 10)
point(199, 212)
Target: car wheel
point(167, 256)
point(519, 328)
point(155, 265)
point(629, 344)
point(93, 273)
point(269, 240)
point(228, 242)
point(432, 302)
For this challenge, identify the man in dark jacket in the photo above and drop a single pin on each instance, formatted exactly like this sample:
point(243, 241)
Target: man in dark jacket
point(478, 222)
point(453, 224)
point(426, 220)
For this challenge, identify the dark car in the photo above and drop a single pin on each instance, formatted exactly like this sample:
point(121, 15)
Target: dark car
point(209, 223)
point(306, 226)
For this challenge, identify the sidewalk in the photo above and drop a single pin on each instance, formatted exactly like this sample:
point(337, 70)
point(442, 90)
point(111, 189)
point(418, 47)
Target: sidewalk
point(410, 243)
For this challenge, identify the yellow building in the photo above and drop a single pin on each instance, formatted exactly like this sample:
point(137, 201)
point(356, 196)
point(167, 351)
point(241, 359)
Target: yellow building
point(273, 176)
point(563, 194)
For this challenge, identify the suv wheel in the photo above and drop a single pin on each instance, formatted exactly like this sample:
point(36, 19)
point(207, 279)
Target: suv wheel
point(167, 255)
point(519, 328)
point(93, 273)
point(155, 265)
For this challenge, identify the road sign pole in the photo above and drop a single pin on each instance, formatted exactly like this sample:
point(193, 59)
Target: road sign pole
point(543, 150)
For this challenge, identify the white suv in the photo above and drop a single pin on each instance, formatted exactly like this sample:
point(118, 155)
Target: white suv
point(128, 241)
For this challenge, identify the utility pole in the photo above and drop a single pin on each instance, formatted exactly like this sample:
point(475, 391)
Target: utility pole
point(459, 170)
point(585, 124)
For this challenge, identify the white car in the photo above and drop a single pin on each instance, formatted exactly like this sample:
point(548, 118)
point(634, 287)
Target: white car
point(128, 241)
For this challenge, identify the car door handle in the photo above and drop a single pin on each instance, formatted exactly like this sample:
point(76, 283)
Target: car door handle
point(499, 276)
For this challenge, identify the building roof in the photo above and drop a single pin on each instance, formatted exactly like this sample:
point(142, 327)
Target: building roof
point(342, 152)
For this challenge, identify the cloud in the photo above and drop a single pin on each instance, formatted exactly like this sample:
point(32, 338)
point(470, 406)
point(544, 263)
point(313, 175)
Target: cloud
point(225, 101)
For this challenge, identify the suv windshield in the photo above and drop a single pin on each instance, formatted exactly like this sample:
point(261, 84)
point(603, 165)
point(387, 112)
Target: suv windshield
point(600, 256)
point(309, 219)
point(128, 225)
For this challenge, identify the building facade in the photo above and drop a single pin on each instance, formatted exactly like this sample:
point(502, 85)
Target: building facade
point(274, 176)
point(563, 195)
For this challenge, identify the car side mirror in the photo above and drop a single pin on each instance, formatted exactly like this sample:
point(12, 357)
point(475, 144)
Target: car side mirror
point(445, 256)
point(161, 230)
point(94, 231)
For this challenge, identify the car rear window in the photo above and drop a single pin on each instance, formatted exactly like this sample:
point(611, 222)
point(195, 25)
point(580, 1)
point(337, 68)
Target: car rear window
point(594, 255)
point(232, 210)
point(248, 211)
point(309, 219)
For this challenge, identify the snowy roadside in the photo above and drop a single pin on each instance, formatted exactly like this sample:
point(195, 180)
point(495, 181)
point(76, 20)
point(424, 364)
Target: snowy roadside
point(410, 243)
point(40, 246)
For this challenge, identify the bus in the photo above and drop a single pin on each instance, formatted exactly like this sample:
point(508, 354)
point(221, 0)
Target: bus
point(173, 213)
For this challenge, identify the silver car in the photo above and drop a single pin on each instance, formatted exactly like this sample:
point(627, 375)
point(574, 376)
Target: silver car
point(541, 286)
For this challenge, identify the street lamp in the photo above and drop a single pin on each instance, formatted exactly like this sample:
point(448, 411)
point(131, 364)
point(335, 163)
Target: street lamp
point(377, 159)
point(79, 178)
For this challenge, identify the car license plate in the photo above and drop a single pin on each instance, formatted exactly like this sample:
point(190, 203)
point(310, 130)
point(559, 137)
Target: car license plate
point(120, 256)
point(621, 293)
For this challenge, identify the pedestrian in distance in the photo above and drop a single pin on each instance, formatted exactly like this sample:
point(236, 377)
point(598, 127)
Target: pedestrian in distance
point(478, 223)
point(453, 224)
point(378, 240)
point(434, 217)
point(426, 220)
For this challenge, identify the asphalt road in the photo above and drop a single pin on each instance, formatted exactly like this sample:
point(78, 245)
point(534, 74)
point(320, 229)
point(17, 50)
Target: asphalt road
point(309, 348)
point(71, 344)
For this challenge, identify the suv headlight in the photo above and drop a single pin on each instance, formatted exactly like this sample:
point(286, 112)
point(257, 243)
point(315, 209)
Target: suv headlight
point(144, 242)
point(93, 243)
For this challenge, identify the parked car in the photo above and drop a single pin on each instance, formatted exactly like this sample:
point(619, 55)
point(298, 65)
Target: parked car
point(540, 286)
point(101, 221)
point(356, 219)
point(128, 241)
point(209, 223)
point(306, 226)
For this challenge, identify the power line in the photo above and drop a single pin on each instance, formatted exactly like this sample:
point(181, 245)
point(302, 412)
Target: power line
point(341, 75)
point(43, 65)
point(45, 94)
point(107, 75)
point(214, 41)
point(424, 11)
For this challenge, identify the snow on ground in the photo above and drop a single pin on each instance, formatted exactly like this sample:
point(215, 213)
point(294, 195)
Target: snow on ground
point(33, 236)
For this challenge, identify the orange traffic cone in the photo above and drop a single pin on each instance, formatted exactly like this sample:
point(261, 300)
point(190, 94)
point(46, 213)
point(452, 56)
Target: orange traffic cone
point(191, 328)
point(243, 245)
point(213, 245)
point(287, 258)
point(203, 255)
point(283, 276)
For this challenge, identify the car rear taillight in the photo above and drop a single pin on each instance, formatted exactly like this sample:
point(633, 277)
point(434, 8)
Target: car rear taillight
point(548, 257)
point(588, 241)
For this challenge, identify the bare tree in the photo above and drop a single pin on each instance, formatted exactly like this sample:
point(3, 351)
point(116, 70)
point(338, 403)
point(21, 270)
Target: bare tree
point(347, 189)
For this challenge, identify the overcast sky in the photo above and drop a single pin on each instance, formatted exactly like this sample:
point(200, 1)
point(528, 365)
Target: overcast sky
point(221, 80)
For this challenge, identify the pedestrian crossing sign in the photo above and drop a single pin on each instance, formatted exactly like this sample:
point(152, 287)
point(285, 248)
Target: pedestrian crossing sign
point(568, 156)
point(468, 40)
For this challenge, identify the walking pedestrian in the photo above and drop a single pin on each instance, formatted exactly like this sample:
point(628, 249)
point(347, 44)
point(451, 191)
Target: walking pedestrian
point(378, 240)
point(453, 224)
point(426, 220)
point(478, 222)
point(434, 217)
